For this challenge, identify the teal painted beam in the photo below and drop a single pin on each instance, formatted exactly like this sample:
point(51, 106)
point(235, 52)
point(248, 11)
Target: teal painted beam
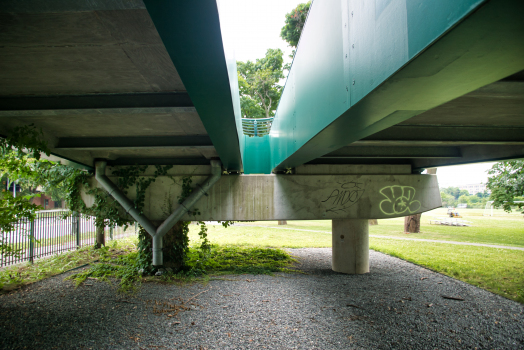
point(191, 34)
point(256, 157)
point(362, 66)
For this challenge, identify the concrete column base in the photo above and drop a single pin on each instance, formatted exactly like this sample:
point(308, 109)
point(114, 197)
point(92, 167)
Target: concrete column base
point(350, 246)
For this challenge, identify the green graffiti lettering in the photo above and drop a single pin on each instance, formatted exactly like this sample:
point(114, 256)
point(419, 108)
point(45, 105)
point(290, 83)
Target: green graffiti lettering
point(399, 200)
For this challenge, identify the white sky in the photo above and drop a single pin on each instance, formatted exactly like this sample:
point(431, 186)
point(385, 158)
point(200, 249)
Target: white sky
point(253, 26)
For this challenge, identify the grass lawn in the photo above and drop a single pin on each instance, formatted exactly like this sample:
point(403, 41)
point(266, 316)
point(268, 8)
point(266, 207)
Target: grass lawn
point(496, 270)
point(501, 229)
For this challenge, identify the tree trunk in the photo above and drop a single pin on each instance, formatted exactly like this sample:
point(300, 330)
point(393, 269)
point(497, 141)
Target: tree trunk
point(282, 222)
point(412, 224)
point(100, 237)
point(373, 222)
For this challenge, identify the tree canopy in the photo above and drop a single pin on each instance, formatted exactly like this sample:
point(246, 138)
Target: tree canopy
point(455, 192)
point(295, 21)
point(258, 84)
point(506, 183)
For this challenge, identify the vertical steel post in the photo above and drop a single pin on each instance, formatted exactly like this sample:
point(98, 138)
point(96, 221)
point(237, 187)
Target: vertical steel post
point(76, 228)
point(256, 128)
point(136, 227)
point(111, 233)
point(32, 242)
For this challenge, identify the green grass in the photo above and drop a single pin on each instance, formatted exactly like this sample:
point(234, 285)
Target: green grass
point(221, 260)
point(496, 270)
point(501, 229)
point(241, 260)
point(242, 236)
point(13, 277)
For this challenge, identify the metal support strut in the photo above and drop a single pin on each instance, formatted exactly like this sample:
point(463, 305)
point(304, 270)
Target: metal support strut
point(156, 233)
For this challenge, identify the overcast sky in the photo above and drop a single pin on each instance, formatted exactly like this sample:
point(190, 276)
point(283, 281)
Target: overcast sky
point(254, 26)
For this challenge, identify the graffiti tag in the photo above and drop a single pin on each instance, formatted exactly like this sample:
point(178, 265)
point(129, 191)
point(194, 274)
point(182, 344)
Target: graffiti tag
point(399, 200)
point(343, 197)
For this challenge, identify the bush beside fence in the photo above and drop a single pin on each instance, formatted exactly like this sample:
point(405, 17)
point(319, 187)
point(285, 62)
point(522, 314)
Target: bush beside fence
point(53, 232)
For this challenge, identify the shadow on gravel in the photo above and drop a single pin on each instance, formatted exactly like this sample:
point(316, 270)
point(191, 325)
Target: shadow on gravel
point(397, 306)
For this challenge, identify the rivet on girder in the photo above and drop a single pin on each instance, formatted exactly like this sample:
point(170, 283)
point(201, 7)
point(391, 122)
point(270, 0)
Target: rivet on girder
point(346, 55)
point(353, 46)
point(351, 13)
point(347, 88)
point(353, 82)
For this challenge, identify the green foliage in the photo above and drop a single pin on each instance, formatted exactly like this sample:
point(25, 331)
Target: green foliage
point(506, 182)
point(452, 196)
point(145, 253)
point(122, 267)
point(242, 260)
point(25, 140)
point(455, 192)
point(295, 21)
point(220, 260)
point(258, 84)
point(129, 176)
point(448, 200)
point(11, 211)
point(15, 276)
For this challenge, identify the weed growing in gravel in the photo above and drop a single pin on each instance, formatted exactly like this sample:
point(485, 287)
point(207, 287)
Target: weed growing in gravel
point(240, 260)
point(123, 267)
point(221, 260)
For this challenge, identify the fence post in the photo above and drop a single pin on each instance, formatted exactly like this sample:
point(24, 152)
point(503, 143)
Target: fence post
point(32, 241)
point(111, 232)
point(76, 228)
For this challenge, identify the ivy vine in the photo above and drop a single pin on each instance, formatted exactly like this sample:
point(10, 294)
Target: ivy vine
point(21, 152)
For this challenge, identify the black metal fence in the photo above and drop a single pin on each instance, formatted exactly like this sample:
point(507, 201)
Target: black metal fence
point(53, 232)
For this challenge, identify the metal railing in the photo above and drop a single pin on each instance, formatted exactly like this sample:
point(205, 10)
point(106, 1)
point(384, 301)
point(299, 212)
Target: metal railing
point(257, 126)
point(53, 232)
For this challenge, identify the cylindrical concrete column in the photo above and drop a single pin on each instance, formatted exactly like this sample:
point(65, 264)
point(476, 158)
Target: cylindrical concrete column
point(350, 249)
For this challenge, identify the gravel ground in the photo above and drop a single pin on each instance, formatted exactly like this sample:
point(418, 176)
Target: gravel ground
point(397, 306)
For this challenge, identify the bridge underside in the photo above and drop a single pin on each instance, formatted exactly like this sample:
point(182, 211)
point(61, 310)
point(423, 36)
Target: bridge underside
point(378, 91)
point(122, 82)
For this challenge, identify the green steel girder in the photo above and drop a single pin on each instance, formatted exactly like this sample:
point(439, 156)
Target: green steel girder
point(191, 34)
point(363, 66)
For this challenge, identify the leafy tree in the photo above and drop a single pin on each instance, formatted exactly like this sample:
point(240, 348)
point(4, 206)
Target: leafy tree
point(455, 192)
point(463, 199)
point(258, 84)
point(295, 21)
point(447, 199)
point(506, 182)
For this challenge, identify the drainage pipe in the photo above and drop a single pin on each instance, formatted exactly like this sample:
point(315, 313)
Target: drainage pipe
point(157, 234)
point(129, 207)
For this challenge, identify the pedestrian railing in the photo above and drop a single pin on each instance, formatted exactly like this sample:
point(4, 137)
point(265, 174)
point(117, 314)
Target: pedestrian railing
point(256, 126)
point(53, 232)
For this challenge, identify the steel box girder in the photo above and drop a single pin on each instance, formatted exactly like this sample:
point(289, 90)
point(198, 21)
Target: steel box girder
point(393, 61)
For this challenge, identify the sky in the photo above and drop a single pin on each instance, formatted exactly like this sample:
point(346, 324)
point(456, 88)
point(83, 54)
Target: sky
point(252, 27)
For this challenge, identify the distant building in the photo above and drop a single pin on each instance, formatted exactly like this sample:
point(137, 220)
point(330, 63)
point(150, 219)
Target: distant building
point(473, 188)
point(47, 203)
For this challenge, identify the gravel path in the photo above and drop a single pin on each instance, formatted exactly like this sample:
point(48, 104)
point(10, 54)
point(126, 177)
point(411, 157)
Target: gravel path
point(397, 306)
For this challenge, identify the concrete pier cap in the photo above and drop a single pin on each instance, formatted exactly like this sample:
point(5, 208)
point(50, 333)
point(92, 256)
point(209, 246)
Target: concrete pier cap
point(349, 195)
